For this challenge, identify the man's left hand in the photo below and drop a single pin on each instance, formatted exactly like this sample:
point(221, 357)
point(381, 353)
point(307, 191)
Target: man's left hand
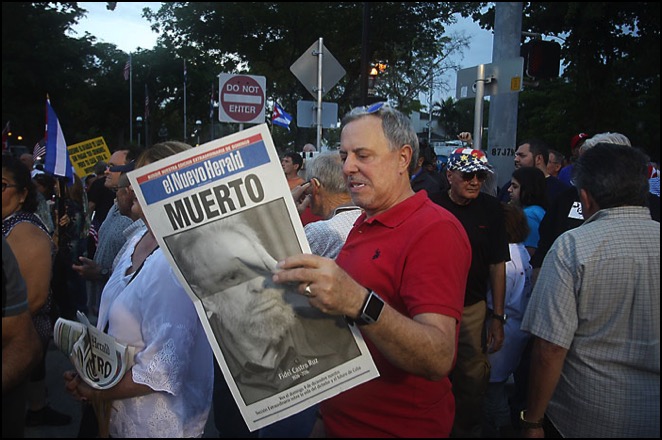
point(495, 336)
point(330, 288)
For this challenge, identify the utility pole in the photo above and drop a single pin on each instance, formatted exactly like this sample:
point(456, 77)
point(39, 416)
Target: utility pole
point(502, 120)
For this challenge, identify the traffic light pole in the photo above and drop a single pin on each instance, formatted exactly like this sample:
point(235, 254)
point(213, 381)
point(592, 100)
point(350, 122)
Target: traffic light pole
point(502, 119)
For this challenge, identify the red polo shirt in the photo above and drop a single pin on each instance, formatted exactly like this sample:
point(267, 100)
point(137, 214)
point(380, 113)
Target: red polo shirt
point(416, 256)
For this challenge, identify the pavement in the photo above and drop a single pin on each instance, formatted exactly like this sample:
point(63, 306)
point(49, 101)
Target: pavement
point(56, 364)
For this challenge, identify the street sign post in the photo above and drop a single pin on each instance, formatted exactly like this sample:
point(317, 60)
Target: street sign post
point(502, 77)
point(242, 98)
point(318, 71)
point(307, 114)
point(488, 79)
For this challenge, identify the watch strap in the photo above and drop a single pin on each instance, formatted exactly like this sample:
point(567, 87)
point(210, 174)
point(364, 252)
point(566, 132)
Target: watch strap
point(526, 424)
point(370, 310)
point(501, 318)
point(357, 321)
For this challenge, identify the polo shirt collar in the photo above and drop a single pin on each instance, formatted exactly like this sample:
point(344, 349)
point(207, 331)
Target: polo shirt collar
point(397, 214)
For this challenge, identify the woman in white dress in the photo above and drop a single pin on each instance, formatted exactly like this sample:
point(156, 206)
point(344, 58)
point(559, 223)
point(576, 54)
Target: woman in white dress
point(168, 390)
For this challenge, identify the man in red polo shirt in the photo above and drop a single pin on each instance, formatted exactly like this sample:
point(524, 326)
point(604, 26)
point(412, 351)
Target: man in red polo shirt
point(407, 302)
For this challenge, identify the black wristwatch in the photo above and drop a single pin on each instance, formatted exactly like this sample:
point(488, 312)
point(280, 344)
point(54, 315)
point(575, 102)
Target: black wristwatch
point(370, 311)
point(501, 318)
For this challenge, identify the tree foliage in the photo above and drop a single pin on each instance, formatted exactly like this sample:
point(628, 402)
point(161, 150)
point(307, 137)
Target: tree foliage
point(267, 38)
point(457, 116)
point(611, 71)
point(610, 52)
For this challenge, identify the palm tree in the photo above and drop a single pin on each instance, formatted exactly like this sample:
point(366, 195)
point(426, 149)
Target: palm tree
point(447, 115)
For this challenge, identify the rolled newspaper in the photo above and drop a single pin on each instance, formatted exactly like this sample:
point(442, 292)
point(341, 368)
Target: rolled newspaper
point(99, 359)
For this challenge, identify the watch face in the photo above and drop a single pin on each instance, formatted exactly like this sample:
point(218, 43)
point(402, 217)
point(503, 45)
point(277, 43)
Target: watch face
point(373, 308)
point(501, 318)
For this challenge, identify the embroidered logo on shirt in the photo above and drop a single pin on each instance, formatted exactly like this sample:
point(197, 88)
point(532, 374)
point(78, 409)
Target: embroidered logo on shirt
point(377, 254)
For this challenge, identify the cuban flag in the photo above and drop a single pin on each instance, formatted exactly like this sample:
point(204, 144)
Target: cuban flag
point(281, 117)
point(57, 161)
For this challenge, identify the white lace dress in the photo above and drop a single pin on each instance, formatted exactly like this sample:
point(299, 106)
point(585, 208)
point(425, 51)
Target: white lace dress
point(153, 313)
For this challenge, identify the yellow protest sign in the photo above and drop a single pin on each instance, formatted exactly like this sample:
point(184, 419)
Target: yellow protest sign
point(84, 155)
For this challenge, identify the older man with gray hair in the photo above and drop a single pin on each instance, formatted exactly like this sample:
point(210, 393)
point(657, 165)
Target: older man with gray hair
point(595, 310)
point(329, 199)
point(407, 303)
point(564, 214)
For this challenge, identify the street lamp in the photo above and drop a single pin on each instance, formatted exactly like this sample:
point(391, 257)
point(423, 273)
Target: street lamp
point(372, 81)
point(198, 126)
point(139, 126)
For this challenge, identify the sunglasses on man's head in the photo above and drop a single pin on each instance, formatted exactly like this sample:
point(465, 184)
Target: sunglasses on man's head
point(372, 108)
point(481, 175)
point(377, 106)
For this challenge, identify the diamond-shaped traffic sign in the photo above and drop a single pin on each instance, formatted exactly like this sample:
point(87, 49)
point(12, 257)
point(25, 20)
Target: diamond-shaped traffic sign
point(305, 69)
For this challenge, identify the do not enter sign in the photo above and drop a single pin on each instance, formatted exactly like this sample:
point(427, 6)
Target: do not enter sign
point(242, 98)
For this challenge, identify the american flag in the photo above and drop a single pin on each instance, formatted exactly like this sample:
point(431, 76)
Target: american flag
point(146, 102)
point(39, 150)
point(127, 69)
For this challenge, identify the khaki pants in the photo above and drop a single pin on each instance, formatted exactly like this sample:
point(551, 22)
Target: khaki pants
point(471, 373)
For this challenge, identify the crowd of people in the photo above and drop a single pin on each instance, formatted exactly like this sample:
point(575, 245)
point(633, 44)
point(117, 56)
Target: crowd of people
point(551, 284)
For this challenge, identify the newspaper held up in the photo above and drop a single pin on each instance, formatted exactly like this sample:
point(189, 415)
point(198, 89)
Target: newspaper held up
point(223, 215)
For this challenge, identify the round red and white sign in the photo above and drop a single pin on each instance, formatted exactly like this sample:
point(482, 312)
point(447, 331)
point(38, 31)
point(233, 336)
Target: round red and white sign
point(242, 99)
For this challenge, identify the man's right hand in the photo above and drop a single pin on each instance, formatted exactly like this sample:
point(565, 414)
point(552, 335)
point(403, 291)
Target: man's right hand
point(88, 269)
point(465, 137)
